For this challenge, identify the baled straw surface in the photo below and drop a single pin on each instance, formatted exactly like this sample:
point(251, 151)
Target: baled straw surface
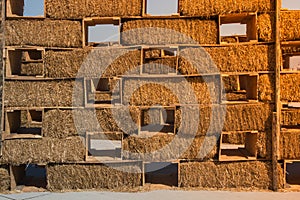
point(24, 151)
point(290, 25)
point(4, 179)
point(290, 87)
point(165, 91)
point(65, 64)
point(235, 58)
point(201, 31)
point(78, 9)
point(255, 175)
point(40, 93)
point(161, 147)
point(248, 117)
point(48, 33)
point(207, 7)
point(290, 117)
point(208, 124)
point(266, 87)
point(32, 69)
point(59, 124)
point(290, 144)
point(266, 27)
point(88, 176)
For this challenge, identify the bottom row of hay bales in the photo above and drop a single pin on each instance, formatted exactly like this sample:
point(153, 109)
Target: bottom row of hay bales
point(222, 175)
point(129, 175)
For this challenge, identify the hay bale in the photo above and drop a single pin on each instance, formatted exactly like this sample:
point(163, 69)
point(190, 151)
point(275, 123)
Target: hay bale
point(222, 175)
point(59, 124)
point(208, 124)
point(266, 27)
point(290, 87)
point(169, 31)
point(266, 87)
point(248, 117)
point(147, 92)
point(48, 33)
point(32, 69)
point(207, 7)
point(289, 25)
point(290, 144)
point(160, 65)
point(24, 151)
point(4, 179)
point(41, 93)
point(94, 176)
point(234, 58)
point(78, 9)
point(163, 147)
point(290, 117)
point(66, 64)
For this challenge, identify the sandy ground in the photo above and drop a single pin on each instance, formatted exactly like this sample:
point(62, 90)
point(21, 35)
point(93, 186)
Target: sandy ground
point(161, 194)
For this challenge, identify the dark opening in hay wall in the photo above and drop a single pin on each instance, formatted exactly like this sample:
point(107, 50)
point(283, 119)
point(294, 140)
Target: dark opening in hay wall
point(29, 175)
point(161, 173)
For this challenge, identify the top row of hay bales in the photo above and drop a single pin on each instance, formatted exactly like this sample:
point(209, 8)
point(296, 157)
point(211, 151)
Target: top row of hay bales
point(67, 33)
point(78, 9)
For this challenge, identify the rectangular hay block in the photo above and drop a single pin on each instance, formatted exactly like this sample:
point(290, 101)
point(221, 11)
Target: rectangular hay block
point(48, 33)
point(117, 176)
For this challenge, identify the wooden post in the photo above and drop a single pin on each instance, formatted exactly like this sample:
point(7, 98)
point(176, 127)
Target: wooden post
point(277, 114)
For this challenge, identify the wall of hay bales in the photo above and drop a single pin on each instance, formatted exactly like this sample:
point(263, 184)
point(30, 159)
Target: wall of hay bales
point(47, 33)
point(175, 31)
point(290, 144)
point(289, 25)
point(56, 93)
point(78, 9)
point(207, 7)
point(96, 176)
point(290, 87)
point(4, 179)
point(24, 151)
point(254, 175)
point(66, 64)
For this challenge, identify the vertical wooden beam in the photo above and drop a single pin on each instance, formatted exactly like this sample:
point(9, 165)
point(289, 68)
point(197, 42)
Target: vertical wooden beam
point(277, 114)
